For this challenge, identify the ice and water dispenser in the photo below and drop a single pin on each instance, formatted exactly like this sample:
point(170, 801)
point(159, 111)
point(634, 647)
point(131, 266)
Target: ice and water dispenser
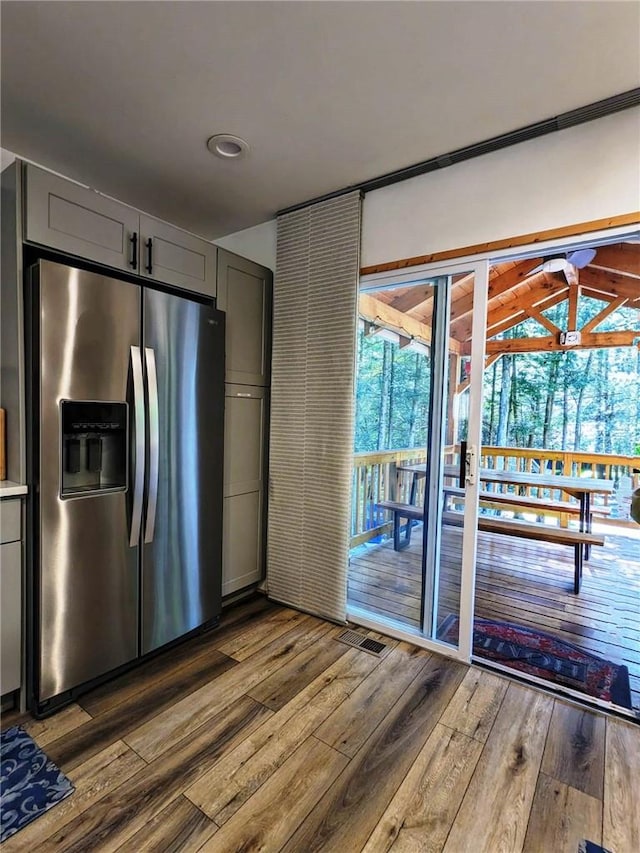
point(94, 447)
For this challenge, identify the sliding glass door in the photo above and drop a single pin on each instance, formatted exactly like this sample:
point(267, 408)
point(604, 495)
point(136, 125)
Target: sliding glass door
point(420, 364)
point(452, 497)
point(395, 368)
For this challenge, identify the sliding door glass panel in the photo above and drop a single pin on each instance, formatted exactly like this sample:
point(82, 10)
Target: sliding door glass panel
point(419, 390)
point(393, 398)
point(448, 481)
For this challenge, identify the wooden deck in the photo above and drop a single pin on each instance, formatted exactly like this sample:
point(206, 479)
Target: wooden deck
point(527, 583)
point(269, 735)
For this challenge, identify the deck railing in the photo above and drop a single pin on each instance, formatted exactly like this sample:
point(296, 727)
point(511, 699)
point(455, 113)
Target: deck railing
point(376, 478)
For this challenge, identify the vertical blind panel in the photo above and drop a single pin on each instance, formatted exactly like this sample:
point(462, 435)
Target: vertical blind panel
point(311, 446)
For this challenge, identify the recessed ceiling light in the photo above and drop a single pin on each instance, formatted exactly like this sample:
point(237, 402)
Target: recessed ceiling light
point(227, 146)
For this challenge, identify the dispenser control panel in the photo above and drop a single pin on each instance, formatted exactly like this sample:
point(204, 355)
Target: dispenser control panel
point(94, 436)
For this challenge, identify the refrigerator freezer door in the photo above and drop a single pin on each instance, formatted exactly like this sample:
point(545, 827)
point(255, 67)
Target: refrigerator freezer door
point(181, 565)
point(87, 575)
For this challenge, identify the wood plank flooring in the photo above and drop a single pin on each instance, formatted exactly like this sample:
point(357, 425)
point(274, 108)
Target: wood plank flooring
point(268, 734)
point(527, 583)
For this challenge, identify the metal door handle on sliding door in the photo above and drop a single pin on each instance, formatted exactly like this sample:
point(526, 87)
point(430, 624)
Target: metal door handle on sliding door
point(138, 477)
point(462, 476)
point(154, 443)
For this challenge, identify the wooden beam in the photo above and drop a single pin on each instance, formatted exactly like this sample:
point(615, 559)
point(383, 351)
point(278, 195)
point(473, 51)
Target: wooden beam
point(591, 340)
point(418, 300)
point(615, 284)
point(411, 297)
point(602, 315)
point(497, 286)
point(381, 314)
point(508, 243)
point(574, 296)
point(539, 317)
point(621, 258)
point(547, 292)
point(509, 323)
point(571, 275)
point(550, 301)
point(596, 294)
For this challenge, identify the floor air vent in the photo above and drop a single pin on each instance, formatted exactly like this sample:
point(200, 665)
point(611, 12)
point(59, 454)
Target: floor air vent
point(365, 644)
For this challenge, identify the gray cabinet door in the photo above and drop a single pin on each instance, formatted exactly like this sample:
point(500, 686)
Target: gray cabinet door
point(10, 595)
point(243, 517)
point(10, 616)
point(10, 520)
point(242, 550)
point(175, 257)
point(78, 221)
point(244, 292)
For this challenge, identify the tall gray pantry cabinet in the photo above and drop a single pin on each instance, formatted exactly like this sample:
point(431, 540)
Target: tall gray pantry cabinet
point(245, 294)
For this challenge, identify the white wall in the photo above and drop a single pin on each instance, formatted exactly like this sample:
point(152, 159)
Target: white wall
point(257, 243)
point(587, 172)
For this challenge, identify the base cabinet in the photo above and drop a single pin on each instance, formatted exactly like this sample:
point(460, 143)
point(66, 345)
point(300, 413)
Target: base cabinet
point(10, 596)
point(242, 548)
point(244, 478)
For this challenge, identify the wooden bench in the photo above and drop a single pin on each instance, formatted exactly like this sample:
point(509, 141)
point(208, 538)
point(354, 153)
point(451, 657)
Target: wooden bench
point(528, 502)
point(505, 526)
point(401, 510)
point(539, 504)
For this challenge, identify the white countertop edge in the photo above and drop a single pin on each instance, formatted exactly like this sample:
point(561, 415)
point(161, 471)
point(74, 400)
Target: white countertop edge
point(8, 489)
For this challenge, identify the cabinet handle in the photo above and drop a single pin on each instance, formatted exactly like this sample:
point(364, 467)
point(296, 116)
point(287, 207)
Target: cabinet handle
point(134, 250)
point(150, 256)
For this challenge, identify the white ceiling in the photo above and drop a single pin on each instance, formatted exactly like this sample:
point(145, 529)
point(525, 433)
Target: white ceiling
point(123, 95)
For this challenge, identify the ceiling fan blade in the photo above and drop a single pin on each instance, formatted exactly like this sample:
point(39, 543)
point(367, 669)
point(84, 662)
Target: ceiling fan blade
point(581, 257)
point(560, 261)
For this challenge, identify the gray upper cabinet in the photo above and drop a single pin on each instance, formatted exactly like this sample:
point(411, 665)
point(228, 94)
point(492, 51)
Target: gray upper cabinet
point(81, 222)
point(78, 221)
point(245, 292)
point(173, 256)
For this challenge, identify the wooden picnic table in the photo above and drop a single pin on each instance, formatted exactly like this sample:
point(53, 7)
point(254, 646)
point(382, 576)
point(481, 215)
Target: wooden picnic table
point(581, 488)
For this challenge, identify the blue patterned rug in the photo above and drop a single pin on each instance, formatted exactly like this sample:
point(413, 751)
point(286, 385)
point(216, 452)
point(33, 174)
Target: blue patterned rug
point(30, 783)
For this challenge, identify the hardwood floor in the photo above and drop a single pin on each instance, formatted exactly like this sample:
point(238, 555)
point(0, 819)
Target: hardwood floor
point(527, 583)
point(268, 734)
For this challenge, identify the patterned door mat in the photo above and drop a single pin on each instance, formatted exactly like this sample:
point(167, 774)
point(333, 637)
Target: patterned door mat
point(30, 783)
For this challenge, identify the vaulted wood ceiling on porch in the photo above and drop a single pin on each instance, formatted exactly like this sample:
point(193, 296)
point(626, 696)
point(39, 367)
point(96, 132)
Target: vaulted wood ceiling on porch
point(521, 290)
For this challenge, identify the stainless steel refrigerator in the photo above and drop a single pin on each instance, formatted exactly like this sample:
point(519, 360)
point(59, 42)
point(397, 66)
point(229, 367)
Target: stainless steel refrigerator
point(126, 449)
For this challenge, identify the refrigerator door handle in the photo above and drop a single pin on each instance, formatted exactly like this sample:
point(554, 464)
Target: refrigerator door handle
point(154, 443)
point(138, 477)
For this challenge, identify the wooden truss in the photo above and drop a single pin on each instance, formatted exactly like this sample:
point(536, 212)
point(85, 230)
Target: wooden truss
point(518, 291)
